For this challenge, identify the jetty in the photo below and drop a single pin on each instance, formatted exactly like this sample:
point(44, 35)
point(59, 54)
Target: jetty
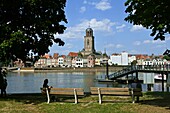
point(160, 69)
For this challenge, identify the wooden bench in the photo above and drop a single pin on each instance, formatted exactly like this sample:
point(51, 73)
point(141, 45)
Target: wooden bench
point(115, 92)
point(75, 92)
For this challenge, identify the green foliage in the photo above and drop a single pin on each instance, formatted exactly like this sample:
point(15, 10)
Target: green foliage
point(167, 57)
point(151, 14)
point(80, 55)
point(134, 62)
point(29, 26)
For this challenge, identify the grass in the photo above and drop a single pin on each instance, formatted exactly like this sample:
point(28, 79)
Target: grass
point(151, 102)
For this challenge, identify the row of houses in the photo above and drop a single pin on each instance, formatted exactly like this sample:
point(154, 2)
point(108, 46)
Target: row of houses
point(74, 60)
point(71, 60)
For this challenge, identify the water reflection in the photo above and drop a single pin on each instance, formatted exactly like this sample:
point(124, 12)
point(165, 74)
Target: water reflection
point(31, 82)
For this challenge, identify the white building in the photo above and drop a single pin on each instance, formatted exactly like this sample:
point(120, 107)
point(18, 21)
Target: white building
point(131, 59)
point(51, 62)
point(155, 62)
point(79, 62)
point(116, 59)
point(61, 61)
point(124, 58)
point(119, 59)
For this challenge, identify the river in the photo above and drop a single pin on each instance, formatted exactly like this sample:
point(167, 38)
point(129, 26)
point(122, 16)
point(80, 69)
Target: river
point(29, 82)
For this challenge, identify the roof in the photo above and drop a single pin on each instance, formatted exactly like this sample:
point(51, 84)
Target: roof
point(47, 56)
point(73, 54)
point(89, 29)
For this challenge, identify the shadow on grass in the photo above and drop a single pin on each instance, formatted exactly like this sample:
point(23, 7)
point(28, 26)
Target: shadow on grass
point(38, 98)
point(161, 99)
point(25, 98)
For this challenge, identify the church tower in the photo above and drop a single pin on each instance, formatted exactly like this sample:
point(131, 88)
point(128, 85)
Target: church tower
point(89, 42)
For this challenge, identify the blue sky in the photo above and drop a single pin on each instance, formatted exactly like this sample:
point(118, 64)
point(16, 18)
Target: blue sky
point(111, 32)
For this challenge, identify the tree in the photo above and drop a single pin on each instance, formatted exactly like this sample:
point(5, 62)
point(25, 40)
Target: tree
point(134, 62)
point(167, 54)
point(151, 14)
point(166, 57)
point(29, 26)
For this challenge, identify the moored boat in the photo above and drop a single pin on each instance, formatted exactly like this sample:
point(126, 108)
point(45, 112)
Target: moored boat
point(159, 77)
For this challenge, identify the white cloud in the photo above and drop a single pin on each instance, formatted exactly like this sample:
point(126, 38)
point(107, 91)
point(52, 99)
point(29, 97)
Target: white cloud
point(85, 2)
point(82, 9)
point(68, 45)
point(78, 31)
point(134, 51)
point(158, 41)
point(113, 46)
point(153, 42)
point(119, 46)
point(109, 46)
point(146, 41)
point(103, 5)
point(104, 25)
point(137, 43)
point(136, 28)
point(120, 28)
point(167, 38)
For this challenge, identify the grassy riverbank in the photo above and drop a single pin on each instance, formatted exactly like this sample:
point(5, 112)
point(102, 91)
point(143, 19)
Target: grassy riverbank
point(151, 102)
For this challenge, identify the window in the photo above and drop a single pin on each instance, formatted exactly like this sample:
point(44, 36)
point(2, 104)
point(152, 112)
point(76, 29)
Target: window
point(87, 41)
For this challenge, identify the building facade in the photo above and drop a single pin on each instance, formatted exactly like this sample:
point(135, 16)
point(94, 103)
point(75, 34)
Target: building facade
point(88, 43)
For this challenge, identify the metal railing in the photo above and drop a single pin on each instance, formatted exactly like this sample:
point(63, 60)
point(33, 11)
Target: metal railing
point(142, 68)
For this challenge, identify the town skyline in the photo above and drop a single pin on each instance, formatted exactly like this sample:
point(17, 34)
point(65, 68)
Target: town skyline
point(111, 32)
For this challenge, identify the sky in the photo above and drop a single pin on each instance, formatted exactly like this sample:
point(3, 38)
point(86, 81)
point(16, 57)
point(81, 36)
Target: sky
point(112, 33)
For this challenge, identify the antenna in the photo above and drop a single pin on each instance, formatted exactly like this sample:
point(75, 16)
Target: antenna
point(89, 25)
point(105, 50)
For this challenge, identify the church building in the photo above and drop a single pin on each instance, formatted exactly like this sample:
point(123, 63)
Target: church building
point(89, 51)
point(88, 43)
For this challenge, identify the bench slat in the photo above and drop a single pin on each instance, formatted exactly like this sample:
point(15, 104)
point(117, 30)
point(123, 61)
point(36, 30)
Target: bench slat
point(115, 89)
point(115, 92)
point(112, 93)
point(71, 89)
point(66, 93)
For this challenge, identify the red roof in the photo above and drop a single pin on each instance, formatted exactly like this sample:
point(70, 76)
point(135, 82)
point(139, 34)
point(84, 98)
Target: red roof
point(142, 56)
point(47, 56)
point(56, 55)
point(73, 54)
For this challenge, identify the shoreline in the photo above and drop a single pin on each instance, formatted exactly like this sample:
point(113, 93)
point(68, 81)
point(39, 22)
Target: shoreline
point(84, 69)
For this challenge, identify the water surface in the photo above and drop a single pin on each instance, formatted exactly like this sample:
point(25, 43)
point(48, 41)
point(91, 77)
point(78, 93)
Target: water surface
point(28, 82)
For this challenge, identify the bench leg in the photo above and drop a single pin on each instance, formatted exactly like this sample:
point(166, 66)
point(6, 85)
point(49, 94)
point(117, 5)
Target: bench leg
point(48, 96)
point(100, 96)
point(133, 99)
point(137, 99)
point(75, 96)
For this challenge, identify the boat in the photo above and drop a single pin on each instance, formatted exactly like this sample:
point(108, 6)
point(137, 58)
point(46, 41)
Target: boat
point(159, 77)
point(105, 80)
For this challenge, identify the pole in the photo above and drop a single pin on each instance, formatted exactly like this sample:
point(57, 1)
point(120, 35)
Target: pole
point(137, 75)
point(167, 88)
point(162, 82)
point(107, 71)
point(127, 79)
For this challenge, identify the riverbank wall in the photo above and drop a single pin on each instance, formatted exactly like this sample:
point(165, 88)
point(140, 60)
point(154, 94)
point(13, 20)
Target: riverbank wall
point(59, 69)
point(84, 69)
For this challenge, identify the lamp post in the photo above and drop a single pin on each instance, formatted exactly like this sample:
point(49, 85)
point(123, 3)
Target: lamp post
point(107, 68)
